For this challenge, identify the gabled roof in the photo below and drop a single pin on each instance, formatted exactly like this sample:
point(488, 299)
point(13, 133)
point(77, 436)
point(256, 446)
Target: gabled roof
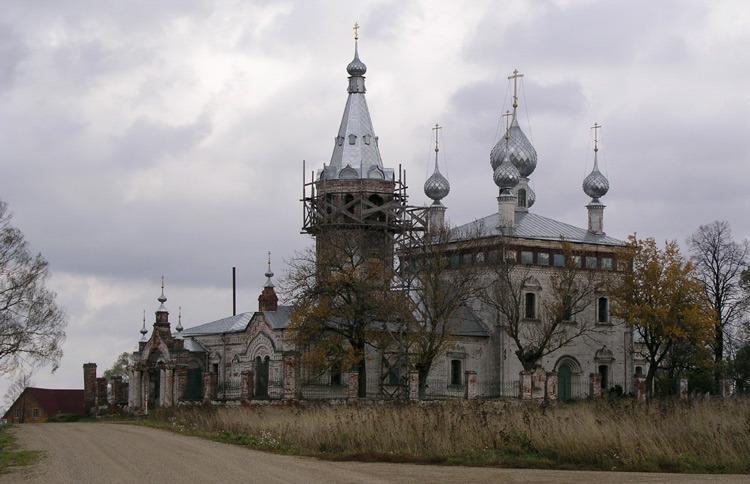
point(278, 319)
point(54, 401)
point(532, 226)
point(469, 323)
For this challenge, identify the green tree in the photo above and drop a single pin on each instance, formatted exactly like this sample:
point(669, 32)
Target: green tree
point(119, 367)
point(571, 291)
point(32, 326)
point(662, 300)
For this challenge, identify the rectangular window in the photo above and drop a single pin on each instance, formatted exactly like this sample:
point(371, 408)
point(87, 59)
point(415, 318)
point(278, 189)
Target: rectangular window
point(542, 259)
point(392, 378)
point(530, 312)
point(604, 372)
point(493, 257)
point(17, 413)
point(577, 260)
point(607, 263)
point(510, 256)
point(455, 372)
point(479, 258)
point(455, 260)
point(603, 310)
point(35, 413)
point(466, 259)
point(559, 260)
point(591, 262)
point(527, 257)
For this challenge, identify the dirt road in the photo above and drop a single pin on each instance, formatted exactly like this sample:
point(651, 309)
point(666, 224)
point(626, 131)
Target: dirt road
point(109, 453)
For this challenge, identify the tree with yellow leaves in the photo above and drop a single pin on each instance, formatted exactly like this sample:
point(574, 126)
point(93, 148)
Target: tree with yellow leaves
point(662, 300)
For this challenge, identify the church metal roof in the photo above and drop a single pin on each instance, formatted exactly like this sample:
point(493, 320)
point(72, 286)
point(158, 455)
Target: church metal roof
point(278, 319)
point(532, 226)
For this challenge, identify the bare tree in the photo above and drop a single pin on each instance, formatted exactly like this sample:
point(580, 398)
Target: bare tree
point(719, 264)
point(439, 293)
point(31, 324)
point(16, 388)
point(511, 293)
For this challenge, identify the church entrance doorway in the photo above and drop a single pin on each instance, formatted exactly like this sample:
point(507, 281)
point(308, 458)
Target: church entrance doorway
point(193, 387)
point(564, 375)
point(154, 383)
point(261, 379)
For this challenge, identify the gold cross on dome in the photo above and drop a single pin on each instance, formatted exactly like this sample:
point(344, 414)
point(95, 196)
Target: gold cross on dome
point(515, 77)
point(356, 31)
point(596, 127)
point(436, 129)
point(269, 261)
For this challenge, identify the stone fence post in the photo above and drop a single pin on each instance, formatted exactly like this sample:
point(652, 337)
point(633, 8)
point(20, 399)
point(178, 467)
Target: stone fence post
point(640, 387)
point(471, 385)
point(595, 386)
point(209, 386)
point(550, 387)
point(725, 387)
point(290, 376)
point(245, 385)
point(353, 387)
point(682, 388)
point(524, 385)
point(413, 386)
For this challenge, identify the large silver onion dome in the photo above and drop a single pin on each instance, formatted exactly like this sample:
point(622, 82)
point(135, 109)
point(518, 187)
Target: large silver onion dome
point(437, 187)
point(595, 184)
point(520, 150)
point(506, 175)
point(356, 67)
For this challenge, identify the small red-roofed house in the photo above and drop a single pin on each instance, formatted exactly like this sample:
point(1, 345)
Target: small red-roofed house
point(36, 405)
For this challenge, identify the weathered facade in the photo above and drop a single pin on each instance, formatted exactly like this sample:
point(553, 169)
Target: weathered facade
point(36, 405)
point(248, 356)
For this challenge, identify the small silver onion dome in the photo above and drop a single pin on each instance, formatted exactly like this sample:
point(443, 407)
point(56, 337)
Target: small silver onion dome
point(530, 197)
point(595, 184)
point(519, 149)
point(356, 67)
point(506, 175)
point(437, 187)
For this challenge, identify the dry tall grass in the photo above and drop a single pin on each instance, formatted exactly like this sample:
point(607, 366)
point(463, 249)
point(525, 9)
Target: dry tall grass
point(706, 436)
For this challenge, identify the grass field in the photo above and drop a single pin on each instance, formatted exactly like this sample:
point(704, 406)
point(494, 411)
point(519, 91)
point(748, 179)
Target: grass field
point(10, 456)
point(700, 436)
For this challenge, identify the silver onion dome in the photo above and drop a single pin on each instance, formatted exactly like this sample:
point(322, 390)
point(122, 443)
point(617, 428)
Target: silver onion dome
point(356, 67)
point(595, 184)
point(530, 197)
point(437, 187)
point(506, 175)
point(519, 149)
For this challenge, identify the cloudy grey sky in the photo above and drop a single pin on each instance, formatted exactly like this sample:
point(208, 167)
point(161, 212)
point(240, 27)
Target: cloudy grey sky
point(142, 138)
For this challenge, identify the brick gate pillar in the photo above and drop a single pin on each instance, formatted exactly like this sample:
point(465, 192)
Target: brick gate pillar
point(353, 386)
point(682, 388)
point(550, 387)
point(524, 385)
point(725, 387)
point(413, 386)
point(640, 387)
point(291, 370)
point(471, 385)
point(595, 386)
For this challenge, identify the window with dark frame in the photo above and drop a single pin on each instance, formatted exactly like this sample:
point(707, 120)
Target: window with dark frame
point(603, 310)
point(530, 312)
point(542, 259)
point(35, 413)
point(559, 260)
point(456, 372)
point(527, 257)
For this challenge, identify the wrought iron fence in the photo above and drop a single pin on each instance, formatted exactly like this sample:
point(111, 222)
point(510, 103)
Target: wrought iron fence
point(439, 388)
point(384, 390)
point(497, 389)
point(322, 391)
point(229, 390)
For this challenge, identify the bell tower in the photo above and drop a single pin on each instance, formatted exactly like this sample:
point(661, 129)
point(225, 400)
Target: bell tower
point(354, 197)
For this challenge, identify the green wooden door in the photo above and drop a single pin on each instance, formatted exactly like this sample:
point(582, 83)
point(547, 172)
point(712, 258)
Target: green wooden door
point(563, 383)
